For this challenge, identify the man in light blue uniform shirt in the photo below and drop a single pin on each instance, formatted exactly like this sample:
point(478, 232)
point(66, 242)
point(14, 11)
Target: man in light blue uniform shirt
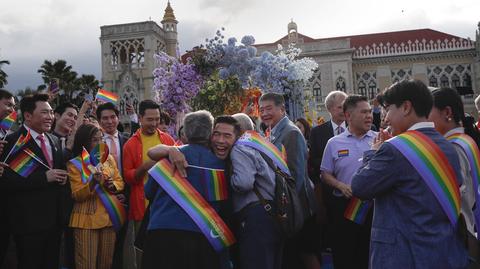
point(341, 159)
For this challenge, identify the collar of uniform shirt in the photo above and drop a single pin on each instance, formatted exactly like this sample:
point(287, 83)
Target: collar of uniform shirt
point(348, 133)
point(420, 125)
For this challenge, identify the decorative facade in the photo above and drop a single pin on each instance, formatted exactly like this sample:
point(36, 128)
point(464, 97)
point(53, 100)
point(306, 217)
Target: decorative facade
point(366, 64)
point(127, 56)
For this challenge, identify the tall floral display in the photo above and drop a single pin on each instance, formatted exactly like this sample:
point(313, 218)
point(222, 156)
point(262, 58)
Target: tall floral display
point(175, 84)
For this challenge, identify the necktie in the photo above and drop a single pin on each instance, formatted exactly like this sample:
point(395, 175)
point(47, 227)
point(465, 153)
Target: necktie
point(43, 146)
point(113, 147)
point(339, 129)
point(62, 142)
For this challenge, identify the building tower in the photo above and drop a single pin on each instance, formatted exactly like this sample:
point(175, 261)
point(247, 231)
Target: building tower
point(292, 32)
point(169, 24)
point(127, 52)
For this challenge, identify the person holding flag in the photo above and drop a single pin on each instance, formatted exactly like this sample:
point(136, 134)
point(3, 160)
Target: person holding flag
point(93, 177)
point(414, 178)
point(36, 212)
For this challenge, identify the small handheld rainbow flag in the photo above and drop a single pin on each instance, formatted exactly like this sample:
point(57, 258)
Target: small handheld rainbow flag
point(357, 210)
point(8, 121)
point(190, 200)
point(99, 154)
point(86, 173)
point(215, 184)
point(106, 96)
point(254, 140)
point(116, 211)
point(23, 164)
point(21, 141)
point(53, 87)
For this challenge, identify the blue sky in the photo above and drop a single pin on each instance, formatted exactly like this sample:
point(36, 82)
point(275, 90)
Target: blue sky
point(32, 31)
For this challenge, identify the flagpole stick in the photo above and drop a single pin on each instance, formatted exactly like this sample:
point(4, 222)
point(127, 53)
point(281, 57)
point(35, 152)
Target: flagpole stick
point(204, 168)
point(11, 150)
point(38, 160)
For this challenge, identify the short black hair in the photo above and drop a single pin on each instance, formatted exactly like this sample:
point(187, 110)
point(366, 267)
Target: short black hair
point(29, 102)
point(4, 94)
point(106, 106)
point(276, 98)
point(62, 107)
point(230, 121)
point(352, 100)
point(414, 91)
point(147, 104)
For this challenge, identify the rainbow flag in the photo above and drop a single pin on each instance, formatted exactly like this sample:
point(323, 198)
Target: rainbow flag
point(106, 96)
point(21, 141)
point(99, 154)
point(254, 140)
point(357, 210)
point(215, 184)
point(86, 173)
point(473, 155)
point(188, 198)
point(8, 121)
point(115, 209)
point(23, 164)
point(433, 166)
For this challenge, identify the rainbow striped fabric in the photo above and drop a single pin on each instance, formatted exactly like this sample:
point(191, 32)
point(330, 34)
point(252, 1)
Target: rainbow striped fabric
point(85, 171)
point(473, 155)
point(116, 211)
point(188, 198)
point(254, 140)
point(99, 154)
point(8, 121)
point(21, 141)
point(215, 184)
point(23, 164)
point(357, 210)
point(433, 166)
point(106, 96)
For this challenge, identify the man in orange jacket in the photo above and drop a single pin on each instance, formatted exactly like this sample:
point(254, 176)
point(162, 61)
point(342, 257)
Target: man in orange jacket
point(136, 162)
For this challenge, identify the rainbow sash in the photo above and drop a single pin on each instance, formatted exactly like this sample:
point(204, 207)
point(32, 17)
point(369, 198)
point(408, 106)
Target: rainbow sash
point(433, 166)
point(188, 198)
point(357, 210)
point(254, 140)
point(116, 211)
point(473, 155)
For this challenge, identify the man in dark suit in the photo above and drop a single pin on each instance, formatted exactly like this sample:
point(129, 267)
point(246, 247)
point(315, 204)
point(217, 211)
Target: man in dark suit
point(35, 208)
point(107, 115)
point(7, 106)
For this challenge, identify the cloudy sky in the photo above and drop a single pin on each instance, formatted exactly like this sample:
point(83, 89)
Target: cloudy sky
point(34, 30)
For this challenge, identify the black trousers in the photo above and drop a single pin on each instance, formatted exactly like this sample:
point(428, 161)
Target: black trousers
point(176, 249)
point(119, 243)
point(350, 241)
point(38, 250)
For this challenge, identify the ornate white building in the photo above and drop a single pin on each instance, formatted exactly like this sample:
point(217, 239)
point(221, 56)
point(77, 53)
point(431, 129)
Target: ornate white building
point(365, 64)
point(127, 56)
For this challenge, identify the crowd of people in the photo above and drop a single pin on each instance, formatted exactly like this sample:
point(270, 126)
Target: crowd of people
point(385, 183)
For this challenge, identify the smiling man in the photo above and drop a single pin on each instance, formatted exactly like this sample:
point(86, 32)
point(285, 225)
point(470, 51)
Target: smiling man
point(65, 120)
point(35, 204)
point(340, 161)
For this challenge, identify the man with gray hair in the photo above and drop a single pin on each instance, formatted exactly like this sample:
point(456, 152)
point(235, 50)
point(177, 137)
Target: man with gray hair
point(259, 241)
point(172, 234)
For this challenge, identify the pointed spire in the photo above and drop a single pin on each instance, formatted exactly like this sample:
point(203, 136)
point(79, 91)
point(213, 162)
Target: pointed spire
point(169, 16)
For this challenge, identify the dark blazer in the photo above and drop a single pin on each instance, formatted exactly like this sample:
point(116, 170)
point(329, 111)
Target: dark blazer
point(318, 141)
point(33, 204)
point(410, 228)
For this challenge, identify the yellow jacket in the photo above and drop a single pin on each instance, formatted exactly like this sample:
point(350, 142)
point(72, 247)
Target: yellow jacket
point(88, 211)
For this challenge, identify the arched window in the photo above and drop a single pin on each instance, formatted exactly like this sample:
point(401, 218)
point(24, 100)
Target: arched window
point(317, 92)
point(433, 82)
point(444, 81)
point(372, 89)
point(455, 81)
point(467, 80)
point(362, 89)
point(340, 84)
